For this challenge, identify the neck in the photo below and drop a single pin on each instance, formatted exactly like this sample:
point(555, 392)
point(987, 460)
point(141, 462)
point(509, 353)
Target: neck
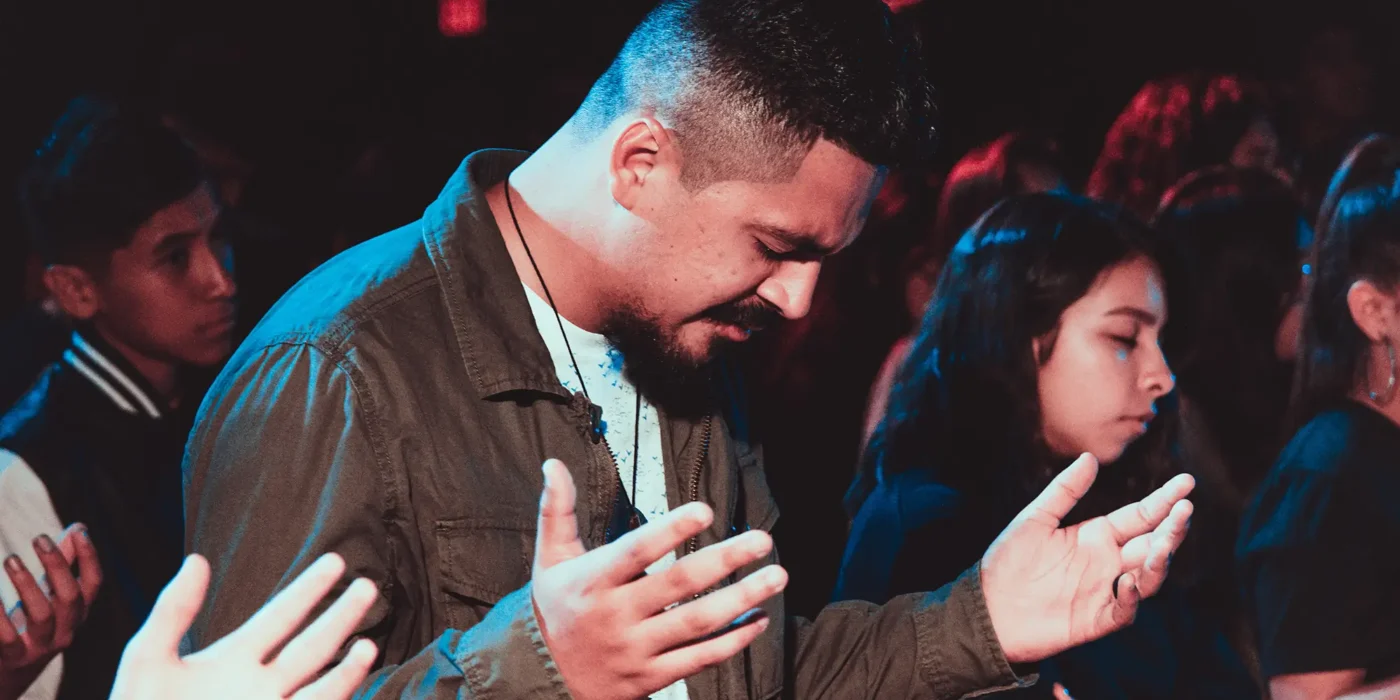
point(551, 196)
point(160, 374)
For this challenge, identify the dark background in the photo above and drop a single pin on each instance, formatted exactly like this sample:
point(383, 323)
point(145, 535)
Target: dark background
point(348, 115)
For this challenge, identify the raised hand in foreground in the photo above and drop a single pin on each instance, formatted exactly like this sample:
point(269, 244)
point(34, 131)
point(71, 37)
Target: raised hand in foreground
point(234, 667)
point(611, 633)
point(1050, 588)
point(48, 615)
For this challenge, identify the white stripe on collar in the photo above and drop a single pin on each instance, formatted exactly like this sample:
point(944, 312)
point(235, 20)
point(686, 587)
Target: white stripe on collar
point(99, 382)
point(116, 374)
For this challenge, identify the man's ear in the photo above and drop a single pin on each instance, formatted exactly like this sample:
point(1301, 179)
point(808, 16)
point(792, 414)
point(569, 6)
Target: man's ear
point(644, 151)
point(74, 289)
point(1372, 309)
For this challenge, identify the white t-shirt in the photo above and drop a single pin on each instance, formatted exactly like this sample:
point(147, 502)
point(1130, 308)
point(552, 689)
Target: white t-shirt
point(601, 367)
point(25, 513)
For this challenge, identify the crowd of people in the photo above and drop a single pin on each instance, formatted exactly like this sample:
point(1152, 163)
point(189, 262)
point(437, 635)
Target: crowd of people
point(343, 496)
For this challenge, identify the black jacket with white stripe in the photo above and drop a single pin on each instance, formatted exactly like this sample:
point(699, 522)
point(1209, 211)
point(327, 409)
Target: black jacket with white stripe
point(108, 452)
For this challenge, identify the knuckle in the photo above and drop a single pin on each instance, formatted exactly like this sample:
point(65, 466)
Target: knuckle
point(636, 552)
point(685, 579)
point(41, 619)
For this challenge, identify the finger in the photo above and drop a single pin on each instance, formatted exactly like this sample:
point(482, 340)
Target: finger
point(67, 602)
point(689, 660)
point(306, 655)
point(173, 612)
point(11, 643)
point(1165, 541)
point(1064, 491)
point(556, 538)
point(279, 617)
point(1061, 693)
point(630, 555)
point(699, 571)
point(1124, 606)
point(89, 566)
point(347, 675)
point(1140, 518)
point(699, 618)
point(38, 613)
point(1135, 552)
point(68, 541)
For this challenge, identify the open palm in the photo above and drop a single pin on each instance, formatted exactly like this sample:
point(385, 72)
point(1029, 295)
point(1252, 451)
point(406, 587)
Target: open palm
point(237, 666)
point(1050, 588)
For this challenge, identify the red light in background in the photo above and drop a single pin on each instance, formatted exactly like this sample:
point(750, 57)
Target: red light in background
point(461, 17)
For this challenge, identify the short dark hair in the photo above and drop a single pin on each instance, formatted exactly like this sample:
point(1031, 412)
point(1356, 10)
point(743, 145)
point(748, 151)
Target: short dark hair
point(964, 405)
point(102, 172)
point(750, 85)
point(1358, 237)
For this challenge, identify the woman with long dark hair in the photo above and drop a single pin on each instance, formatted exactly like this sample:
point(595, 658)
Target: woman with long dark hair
point(1017, 162)
point(1041, 343)
point(1317, 544)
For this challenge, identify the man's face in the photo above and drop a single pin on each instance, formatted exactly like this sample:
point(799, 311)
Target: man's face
point(169, 293)
point(716, 264)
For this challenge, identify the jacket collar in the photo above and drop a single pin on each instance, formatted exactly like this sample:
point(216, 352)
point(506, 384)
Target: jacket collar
point(491, 318)
point(112, 375)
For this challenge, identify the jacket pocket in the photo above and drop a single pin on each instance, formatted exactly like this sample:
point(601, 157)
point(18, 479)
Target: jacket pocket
point(481, 560)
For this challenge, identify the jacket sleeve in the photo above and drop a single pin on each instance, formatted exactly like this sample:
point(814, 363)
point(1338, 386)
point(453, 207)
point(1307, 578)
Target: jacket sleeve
point(288, 461)
point(923, 645)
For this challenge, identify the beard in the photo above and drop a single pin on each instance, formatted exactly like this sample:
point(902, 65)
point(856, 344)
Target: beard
point(668, 375)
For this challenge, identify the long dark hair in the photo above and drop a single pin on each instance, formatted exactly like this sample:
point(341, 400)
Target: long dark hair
point(1233, 238)
point(966, 403)
point(1358, 238)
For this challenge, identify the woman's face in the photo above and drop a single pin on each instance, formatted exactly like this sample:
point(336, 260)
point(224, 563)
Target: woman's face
point(1099, 387)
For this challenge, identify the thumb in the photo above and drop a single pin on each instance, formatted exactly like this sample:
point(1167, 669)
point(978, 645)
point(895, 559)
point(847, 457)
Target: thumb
point(556, 538)
point(173, 612)
point(1060, 497)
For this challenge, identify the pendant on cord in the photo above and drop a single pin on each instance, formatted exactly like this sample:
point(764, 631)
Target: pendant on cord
point(595, 422)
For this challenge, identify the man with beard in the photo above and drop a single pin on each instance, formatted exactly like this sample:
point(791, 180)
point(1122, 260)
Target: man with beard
point(574, 304)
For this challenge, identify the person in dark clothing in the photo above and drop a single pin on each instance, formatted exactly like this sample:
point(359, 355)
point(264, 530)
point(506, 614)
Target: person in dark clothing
point(572, 304)
point(1236, 242)
point(1316, 547)
point(120, 211)
point(1040, 343)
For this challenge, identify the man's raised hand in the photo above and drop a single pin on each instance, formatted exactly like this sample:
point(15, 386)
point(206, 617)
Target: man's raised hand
point(614, 635)
point(1050, 588)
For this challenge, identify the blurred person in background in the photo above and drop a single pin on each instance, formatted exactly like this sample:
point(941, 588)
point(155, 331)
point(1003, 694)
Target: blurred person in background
point(1235, 244)
point(1177, 125)
point(124, 221)
point(1317, 542)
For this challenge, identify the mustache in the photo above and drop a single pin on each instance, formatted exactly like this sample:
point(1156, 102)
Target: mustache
point(752, 315)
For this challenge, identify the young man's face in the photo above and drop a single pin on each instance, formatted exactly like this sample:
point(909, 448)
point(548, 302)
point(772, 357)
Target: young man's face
point(169, 293)
point(735, 257)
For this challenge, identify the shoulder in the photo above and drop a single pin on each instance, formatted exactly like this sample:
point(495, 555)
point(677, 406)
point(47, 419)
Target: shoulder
point(1339, 443)
point(352, 291)
point(913, 498)
point(27, 419)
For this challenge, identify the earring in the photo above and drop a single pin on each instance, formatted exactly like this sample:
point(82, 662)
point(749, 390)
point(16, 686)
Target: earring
point(1381, 398)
